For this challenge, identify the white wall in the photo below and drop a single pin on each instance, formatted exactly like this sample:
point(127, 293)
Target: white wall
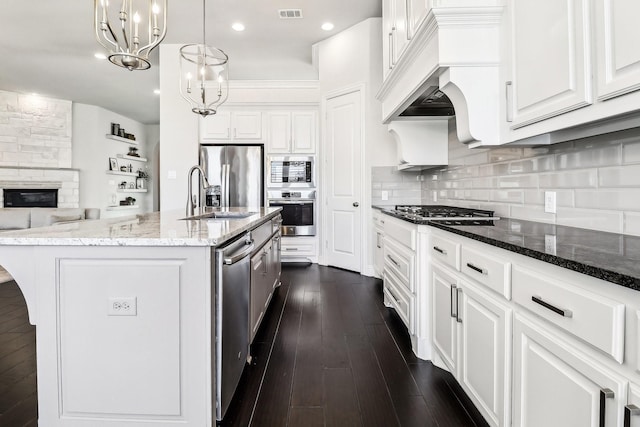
point(91, 152)
point(178, 133)
point(353, 57)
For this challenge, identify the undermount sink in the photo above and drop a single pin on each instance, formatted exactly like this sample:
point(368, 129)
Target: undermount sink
point(222, 215)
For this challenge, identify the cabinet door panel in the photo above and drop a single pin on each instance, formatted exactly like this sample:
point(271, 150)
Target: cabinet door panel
point(484, 333)
point(557, 386)
point(444, 323)
point(551, 60)
point(279, 134)
point(617, 38)
point(247, 125)
point(418, 10)
point(303, 130)
point(400, 30)
point(217, 126)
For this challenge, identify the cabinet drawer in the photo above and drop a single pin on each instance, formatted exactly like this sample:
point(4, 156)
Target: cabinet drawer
point(403, 232)
point(445, 251)
point(378, 220)
point(401, 262)
point(298, 248)
point(399, 299)
point(491, 271)
point(594, 318)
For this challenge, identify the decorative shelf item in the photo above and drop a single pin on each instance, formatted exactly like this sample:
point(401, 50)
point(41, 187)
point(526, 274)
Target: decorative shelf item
point(122, 173)
point(125, 140)
point(137, 159)
point(122, 208)
point(132, 190)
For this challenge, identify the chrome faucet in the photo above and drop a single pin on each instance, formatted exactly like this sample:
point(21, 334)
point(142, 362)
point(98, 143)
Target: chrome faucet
point(191, 201)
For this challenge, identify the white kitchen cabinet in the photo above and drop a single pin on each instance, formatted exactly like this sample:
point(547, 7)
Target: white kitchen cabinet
point(298, 246)
point(394, 31)
point(378, 238)
point(472, 336)
point(265, 276)
point(617, 40)
point(444, 312)
point(291, 131)
point(556, 385)
point(232, 125)
point(417, 11)
point(484, 371)
point(550, 57)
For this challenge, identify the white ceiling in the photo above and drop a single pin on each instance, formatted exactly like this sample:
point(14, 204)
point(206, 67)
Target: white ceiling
point(47, 47)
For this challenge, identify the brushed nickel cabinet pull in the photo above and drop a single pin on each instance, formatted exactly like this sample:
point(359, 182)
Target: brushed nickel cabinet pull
point(458, 293)
point(393, 260)
point(509, 103)
point(561, 311)
point(605, 393)
point(478, 269)
point(453, 307)
point(630, 410)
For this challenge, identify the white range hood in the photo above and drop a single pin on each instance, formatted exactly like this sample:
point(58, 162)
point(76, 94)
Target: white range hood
point(421, 144)
point(458, 50)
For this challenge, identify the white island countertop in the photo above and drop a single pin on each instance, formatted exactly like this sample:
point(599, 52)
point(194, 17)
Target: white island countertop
point(166, 228)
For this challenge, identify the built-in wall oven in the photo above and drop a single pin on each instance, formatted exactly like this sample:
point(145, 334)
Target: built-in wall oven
point(298, 211)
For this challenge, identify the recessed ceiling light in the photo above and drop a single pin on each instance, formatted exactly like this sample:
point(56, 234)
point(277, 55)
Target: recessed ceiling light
point(156, 91)
point(238, 26)
point(327, 26)
point(100, 56)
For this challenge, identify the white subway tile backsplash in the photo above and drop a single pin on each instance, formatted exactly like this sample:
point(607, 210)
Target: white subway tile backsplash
point(603, 220)
point(609, 155)
point(623, 200)
point(620, 176)
point(532, 213)
point(569, 179)
point(632, 223)
point(596, 180)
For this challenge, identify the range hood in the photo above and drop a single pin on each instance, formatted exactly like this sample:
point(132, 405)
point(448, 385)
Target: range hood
point(421, 144)
point(455, 52)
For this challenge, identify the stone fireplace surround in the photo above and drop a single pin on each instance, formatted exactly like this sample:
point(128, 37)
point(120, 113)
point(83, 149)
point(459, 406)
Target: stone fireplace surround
point(67, 181)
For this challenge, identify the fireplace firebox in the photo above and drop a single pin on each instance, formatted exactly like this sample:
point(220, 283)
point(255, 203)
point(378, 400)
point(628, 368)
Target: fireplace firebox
point(30, 198)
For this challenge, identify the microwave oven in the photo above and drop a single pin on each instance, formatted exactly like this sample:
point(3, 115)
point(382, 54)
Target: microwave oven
point(291, 171)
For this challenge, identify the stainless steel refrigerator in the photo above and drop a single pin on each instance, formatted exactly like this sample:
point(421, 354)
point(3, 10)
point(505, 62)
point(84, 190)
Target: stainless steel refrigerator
point(236, 171)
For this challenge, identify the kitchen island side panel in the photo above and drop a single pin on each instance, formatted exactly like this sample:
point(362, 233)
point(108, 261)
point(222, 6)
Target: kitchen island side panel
point(97, 368)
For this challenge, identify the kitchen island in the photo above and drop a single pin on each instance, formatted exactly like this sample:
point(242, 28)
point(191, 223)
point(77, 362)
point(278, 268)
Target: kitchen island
point(124, 316)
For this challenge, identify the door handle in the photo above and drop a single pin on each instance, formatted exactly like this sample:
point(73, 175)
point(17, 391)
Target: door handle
point(356, 204)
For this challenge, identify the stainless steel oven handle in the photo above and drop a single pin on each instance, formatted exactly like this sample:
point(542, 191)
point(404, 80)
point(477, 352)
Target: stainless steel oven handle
point(237, 257)
point(292, 202)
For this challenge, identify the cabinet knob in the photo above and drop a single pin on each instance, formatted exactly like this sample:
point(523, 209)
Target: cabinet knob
point(356, 204)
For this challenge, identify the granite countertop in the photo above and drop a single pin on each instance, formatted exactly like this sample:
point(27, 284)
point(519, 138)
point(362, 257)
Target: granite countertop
point(607, 256)
point(152, 229)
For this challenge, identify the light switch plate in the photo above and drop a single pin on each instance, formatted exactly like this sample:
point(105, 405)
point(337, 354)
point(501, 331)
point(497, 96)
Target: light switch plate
point(550, 201)
point(384, 195)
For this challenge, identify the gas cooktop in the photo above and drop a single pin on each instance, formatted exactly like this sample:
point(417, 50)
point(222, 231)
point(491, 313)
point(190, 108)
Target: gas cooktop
point(448, 215)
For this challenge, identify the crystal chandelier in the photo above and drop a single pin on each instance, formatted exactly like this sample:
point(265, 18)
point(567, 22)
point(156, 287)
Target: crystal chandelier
point(123, 40)
point(204, 75)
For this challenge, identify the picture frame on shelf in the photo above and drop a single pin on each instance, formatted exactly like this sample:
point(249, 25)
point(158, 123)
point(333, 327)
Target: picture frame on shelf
point(113, 164)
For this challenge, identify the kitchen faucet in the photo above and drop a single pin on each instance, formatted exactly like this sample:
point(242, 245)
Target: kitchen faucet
point(191, 201)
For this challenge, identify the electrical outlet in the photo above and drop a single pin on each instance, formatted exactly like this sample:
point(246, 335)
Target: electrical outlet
point(123, 306)
point(384, 195)
point(434, 196)
point(550, 201)
point(550, 244)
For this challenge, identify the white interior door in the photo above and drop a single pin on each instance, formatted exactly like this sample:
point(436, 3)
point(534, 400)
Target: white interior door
point(344, 175)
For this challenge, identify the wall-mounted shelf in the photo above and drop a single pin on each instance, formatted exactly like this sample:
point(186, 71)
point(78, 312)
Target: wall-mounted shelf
point(123, 173)
point(122, 208)
point(132, 190)
point(134, 158)
point(125, 140)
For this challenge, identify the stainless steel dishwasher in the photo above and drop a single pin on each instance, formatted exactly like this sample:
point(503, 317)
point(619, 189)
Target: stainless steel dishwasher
point(232, 276)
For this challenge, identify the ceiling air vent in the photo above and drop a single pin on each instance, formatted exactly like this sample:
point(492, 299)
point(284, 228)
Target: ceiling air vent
point(290, 13)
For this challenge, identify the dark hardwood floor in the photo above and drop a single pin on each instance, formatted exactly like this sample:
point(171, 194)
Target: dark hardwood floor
point(330, 354)
point(18, 402)
point(327, 354)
